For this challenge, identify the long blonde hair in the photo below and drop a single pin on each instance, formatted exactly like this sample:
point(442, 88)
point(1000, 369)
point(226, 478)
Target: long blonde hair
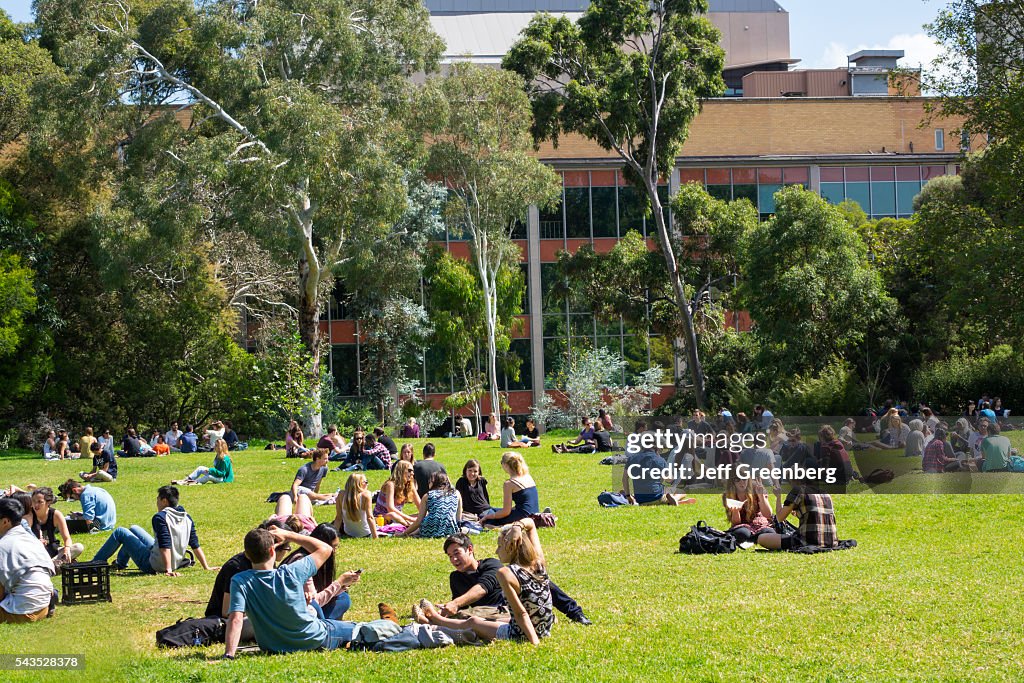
point(514, 463)
point(518, 546)
point(355, 485)
point(404, 485)
point(220, 449)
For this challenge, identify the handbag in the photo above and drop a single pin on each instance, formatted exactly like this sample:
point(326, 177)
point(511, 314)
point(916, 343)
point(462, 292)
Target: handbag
point(704, 540)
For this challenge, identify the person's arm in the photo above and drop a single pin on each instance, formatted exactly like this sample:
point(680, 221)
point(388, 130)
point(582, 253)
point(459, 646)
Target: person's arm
point(388, 491)
point(336, 587)
point(317, 549)
point(419, 518)
point(506, 505)
point(626, 482)
point(515, 605)
point(295, 488)
point(225, 604)
point(458, 513)
point(471, 596)
point(201, 556)
point(233, 632)
point(88, 509)
point(367, 505)
point(166, 554)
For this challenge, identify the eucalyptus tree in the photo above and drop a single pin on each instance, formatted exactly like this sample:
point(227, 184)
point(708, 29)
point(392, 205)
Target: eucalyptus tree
point(630, 75)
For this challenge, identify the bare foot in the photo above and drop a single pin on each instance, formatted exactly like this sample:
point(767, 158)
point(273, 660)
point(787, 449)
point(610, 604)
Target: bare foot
point(418, 615)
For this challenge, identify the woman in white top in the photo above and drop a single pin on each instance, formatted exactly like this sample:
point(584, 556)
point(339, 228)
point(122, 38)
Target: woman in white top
point(213, 433)
point(354, 509)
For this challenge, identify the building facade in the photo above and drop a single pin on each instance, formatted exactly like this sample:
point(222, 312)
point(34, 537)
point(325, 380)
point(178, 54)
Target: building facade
point(843, 142)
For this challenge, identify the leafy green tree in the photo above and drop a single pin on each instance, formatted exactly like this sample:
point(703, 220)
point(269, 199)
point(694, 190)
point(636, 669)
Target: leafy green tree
point(630, 75)
point(22, 66)
point(295, 111)
point(479, 130)
point(808, 285)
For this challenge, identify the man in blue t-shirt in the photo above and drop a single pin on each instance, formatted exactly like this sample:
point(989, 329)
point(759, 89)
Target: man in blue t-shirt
point(98, 507)
point(275, 600)
point(188, 442)
point(642, 480)
point(309, 477)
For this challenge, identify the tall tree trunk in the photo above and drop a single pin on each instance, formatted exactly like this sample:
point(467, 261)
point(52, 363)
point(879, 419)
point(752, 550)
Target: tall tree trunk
point(309, 309)
point(491, 309)
point(682, 301)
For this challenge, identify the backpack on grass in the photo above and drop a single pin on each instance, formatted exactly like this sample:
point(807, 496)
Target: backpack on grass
point(704, 540)
point(192, 633)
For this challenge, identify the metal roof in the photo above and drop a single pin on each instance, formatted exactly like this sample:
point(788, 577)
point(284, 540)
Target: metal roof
point(486, 37)
point(555, 6)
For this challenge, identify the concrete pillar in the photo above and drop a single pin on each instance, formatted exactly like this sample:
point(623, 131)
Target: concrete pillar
point(533, 285)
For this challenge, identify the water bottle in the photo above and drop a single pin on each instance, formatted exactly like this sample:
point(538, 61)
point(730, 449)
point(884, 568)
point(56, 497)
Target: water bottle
point(197, 638)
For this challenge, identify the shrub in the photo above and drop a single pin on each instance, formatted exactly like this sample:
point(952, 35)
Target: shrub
point(836, 390)
point(946, 385)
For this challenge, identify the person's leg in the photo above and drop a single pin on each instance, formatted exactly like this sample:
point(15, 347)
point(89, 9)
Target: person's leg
point(284, 504)
point(198, 472)
point(772, 541)
point(373, 462)
point(207, 478)
point(339, 633)
point(100, 475)
point(76, 549)
point(303, 506)
point(481, 627)
point(112, 544)
point(565, 604)
point(341, 604)
point(138, 549)
point(742, 534)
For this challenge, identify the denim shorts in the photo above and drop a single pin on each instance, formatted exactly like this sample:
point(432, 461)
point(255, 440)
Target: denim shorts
point(504, 632)
point(339, 633)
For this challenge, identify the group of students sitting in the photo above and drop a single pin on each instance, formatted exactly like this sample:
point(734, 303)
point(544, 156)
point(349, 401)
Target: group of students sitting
point(977, 446)
point(595, 436)
point(58, 446)
point(440, 508)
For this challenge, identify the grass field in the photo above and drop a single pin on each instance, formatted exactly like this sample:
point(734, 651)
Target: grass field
point(934, 590)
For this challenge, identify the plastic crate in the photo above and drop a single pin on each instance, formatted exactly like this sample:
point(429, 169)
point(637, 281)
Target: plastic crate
point(85, 582)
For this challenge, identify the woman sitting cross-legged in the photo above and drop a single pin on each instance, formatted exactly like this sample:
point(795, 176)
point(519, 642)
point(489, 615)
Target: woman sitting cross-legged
point(327, 596)
point(354, 509)
point(747, 509)
point(395, 493)
point(524, 584)
point(520, 493)
point(221, 473)
point(473, 488)
point(439, 511)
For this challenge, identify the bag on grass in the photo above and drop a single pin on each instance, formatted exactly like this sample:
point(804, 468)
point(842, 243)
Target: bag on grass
point(703, 540)
point(879, 476)
point(544, 519)
point(607, 499)
point(192, 633)
point(1016, 464)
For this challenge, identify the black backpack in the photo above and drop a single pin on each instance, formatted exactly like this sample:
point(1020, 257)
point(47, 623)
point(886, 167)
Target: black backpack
point(192, 633)
point(703, 540)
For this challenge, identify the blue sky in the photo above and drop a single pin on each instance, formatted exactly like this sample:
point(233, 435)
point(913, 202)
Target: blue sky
point(822, 32)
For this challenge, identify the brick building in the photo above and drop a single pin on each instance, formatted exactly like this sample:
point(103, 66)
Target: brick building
point(876, 149)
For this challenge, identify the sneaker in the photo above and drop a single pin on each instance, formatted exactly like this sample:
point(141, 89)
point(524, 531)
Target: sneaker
point(387, 612)
point(582, 620)
point(546, 511)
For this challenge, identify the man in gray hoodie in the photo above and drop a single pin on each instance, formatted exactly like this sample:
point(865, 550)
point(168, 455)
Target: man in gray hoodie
point(175, 533)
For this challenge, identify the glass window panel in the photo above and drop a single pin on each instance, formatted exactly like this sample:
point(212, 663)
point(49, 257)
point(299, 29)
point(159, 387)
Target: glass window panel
point(614, 346)
point(883, 173)
point(663, 355)
point(551, 222)
point(883, 199)
point(581, 325)
point(519, 350)
point(549, 276)
point(345, 369)
point(745, 192)
point(438, 379)
point(831, 174)
point(603, 201)
point(769, 176)
point(525, 268)
point(905, 193)
point(858, 174)
point(519, 230)
point(798, 175)
point(665, 211)
point(691, 175)
point(744, 176)
point(577, 212)
point(723, 192)
point(632, 207)
point(555, 325)
point(555, 351)
point(766, 197)
point(610, 329)
point(635, 355)
point(719, 176)
point(833, 193)
point(860, 193)
point(908, 173)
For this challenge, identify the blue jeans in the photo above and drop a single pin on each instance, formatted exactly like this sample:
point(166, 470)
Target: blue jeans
point(373, 463)
point(339, 633)
point(335, 610)
point(134, 544)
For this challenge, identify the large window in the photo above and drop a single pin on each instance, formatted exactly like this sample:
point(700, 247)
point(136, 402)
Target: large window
point(345, 369)
point(599, 204)
point(757, 185)
point(882, 191)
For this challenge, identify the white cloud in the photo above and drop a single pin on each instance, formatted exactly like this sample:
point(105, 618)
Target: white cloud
point(920, 50)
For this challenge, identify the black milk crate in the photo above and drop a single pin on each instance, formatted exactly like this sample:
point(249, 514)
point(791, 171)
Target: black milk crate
point(85, 582)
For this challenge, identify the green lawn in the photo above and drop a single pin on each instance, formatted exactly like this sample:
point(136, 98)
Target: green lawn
point(932, 592)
